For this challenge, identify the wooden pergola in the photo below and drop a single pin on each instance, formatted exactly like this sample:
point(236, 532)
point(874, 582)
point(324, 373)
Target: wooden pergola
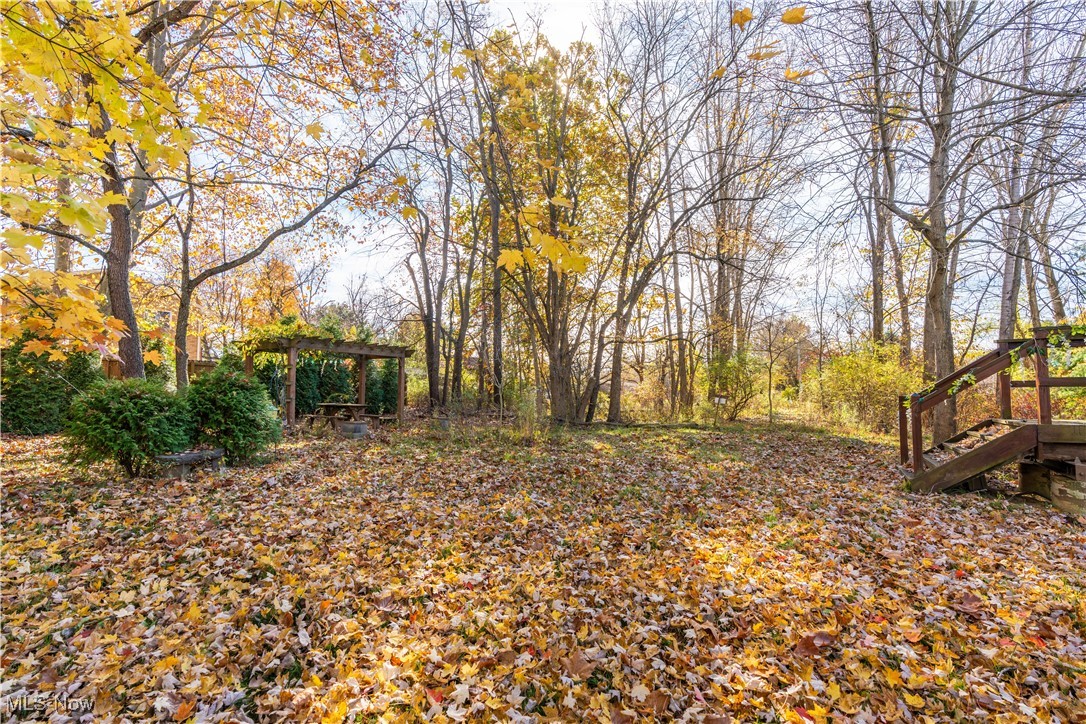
point(360, 351)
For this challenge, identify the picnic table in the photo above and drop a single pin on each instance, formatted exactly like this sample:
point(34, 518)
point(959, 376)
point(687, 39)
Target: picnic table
point(352, 411)
point(347, 411)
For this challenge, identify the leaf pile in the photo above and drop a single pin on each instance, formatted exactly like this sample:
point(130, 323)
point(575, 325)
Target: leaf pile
point(616, 575)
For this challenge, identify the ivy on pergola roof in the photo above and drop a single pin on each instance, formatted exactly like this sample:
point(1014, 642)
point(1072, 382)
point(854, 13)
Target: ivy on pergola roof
point(350, 348)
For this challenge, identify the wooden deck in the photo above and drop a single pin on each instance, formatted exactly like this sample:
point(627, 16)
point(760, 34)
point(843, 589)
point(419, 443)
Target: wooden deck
point(1051, 453)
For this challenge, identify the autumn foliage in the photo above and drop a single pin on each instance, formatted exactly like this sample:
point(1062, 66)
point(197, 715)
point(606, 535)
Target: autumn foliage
point(622, 575)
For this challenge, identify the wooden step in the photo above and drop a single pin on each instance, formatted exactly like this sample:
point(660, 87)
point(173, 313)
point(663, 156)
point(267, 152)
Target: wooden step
point(972, 463)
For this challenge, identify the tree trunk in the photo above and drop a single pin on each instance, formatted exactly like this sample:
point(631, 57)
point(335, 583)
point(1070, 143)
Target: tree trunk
point(878, 255)
point(563, 404)
point(180, 337)
point(496, 284)
point(62, 253)
point(118, 260)
point(1012, 271)
point(685, 400)
point(1045, 258)
point(904, 305)
point(614, 403)
point(1031, 286)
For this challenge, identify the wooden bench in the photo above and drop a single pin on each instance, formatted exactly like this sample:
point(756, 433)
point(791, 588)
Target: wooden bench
point(180, 463)
point(378, 418)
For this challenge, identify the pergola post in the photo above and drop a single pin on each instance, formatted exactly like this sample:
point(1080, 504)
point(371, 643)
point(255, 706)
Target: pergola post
point(361, 361)
point(401, 390)
point(292, 384)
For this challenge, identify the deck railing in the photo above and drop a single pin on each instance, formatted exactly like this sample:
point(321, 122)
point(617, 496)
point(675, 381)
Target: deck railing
point(1007, 353)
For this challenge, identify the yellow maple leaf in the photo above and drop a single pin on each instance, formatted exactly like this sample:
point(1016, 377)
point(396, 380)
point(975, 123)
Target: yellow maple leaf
point(576, 263)
point(742, 17)
point(427, 123)
point(893, 676)
point(510, 259)
point(794, 16)
point(460, 72)
point(315, 130)
point(153, 356)
point(764, 54)
point(916, 702)
point(166, 664)
point(192, 615)
point(16, 238)
point(796, 75)
point(409, 212)
point(336, 714)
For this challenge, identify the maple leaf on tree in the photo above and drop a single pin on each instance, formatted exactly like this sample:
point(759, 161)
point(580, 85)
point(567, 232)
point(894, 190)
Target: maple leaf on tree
point(741, 17)
point(510, 259)
point(794, 16)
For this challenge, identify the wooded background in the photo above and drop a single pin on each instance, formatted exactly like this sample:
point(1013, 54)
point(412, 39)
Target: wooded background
point(706, 202)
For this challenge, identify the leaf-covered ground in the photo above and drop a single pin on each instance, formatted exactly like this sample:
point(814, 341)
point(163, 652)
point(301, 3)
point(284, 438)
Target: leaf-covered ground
point(611, 575)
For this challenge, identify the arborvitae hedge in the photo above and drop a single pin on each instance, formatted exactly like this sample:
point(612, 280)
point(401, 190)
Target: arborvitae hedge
point(37, 391)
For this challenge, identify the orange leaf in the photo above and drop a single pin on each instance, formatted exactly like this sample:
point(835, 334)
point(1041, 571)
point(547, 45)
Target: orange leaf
point(184, 710)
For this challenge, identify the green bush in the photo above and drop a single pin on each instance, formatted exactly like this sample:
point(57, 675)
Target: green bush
point(382, 386)
point(164, 372)
point(735, 379)
point(338, 380)
point(318, 378)
point(37, 391)
point(128, 422)
point(307, 380)
point(232, 410)
point(862, 387)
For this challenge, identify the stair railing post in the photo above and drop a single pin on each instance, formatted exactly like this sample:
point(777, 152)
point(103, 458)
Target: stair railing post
point(903, 427)
point(917, 433)
point(1003, 384)
point(1044, 399)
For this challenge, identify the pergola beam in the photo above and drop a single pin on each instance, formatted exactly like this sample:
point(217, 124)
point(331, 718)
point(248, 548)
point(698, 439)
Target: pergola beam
point(347, 348)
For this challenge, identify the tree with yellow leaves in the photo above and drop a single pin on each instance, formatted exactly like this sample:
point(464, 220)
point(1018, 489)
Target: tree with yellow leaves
point(87, 123)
